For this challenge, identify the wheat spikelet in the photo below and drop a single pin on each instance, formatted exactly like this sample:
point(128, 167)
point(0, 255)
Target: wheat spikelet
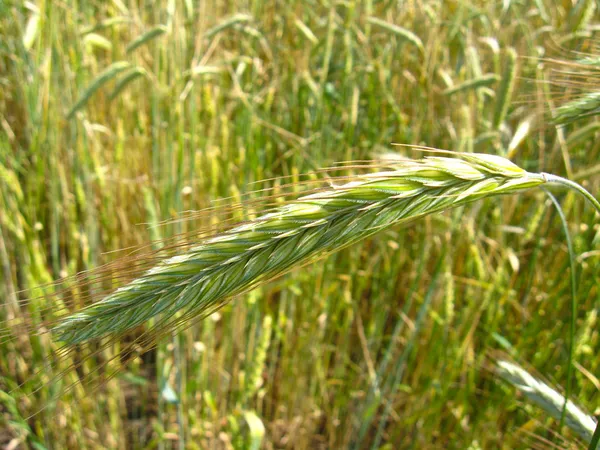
point(548, 399)
point(584, 106)
point(199, 281)
point(581, 78)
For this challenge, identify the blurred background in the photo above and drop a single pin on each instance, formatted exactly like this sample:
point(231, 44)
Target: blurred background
point(116, 116)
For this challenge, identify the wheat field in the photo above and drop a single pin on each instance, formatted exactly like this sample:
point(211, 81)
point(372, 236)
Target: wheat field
point(135, 134)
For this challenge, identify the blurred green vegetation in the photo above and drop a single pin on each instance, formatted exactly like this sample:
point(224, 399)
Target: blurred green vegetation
point(119, 114)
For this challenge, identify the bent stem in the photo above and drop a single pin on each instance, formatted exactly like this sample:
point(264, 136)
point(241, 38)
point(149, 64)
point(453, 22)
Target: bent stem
point(571, 184)
point(554, 179)
point(572, 324)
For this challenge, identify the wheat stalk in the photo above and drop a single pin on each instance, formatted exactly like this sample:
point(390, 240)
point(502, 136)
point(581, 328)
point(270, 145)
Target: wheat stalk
point(194, 284)
point(548, 399)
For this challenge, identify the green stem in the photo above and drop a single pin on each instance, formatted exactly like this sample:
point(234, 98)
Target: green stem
point(572, 324)
point(571, 184)
point(577, 187)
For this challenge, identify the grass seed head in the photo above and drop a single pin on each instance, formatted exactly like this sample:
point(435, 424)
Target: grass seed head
point(196, 283)
point(548, 399)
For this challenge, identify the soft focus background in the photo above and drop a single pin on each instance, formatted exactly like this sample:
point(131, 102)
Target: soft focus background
point(118, 115)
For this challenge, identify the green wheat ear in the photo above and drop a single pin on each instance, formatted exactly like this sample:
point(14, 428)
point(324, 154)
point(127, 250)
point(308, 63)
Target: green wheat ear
point(548, 399)
point(204, 278)
point(587, 104)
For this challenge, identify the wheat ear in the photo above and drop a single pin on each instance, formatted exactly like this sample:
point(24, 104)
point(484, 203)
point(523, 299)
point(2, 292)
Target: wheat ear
point(548, 399)
point(197, 282)
point(588, 103)
point(584, 106)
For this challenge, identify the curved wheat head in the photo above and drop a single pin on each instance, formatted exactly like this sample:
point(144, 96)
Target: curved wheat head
point(194, 284)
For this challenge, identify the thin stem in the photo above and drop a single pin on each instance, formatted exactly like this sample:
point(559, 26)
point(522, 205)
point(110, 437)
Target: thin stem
point(573, 185)
point(559, 180)
point(573, 323)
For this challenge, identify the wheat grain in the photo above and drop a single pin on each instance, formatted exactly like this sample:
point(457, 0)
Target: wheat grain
point(205, 277)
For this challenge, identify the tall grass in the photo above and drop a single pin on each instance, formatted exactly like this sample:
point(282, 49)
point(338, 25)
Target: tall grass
point(381, 343)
